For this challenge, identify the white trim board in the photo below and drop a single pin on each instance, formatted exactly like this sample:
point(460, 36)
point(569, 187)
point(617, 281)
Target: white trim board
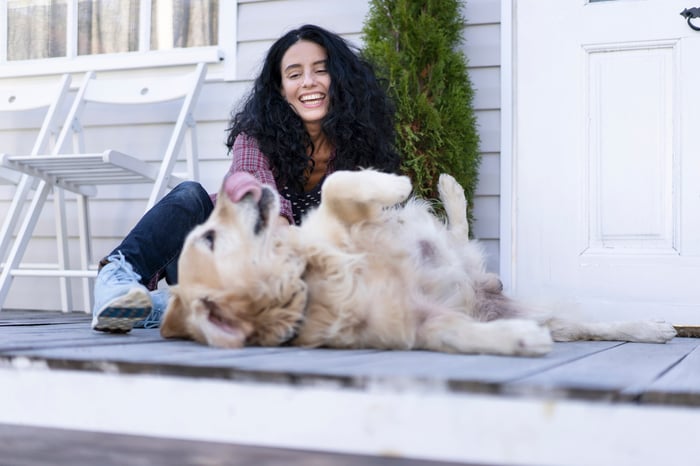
point(507, 190)
point(398, 421)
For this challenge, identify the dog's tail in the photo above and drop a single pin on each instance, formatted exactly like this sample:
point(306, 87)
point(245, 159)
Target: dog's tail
point(492, 303)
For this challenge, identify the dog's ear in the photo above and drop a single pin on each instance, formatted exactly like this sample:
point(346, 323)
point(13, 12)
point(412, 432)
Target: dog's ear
point(173, 325)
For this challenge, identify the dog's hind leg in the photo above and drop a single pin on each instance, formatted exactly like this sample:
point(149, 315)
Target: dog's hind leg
point(455, 203)
point(352, 196)
point(635, 331)
point(456, 333)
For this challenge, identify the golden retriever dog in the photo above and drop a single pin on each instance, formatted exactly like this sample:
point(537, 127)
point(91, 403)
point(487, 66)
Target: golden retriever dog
point(369, 268)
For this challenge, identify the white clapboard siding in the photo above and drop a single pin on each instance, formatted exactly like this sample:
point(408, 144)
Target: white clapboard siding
point(482, 48)
point(260, 22)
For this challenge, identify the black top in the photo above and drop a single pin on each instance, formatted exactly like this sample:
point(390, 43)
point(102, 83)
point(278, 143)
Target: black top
point(303, 201)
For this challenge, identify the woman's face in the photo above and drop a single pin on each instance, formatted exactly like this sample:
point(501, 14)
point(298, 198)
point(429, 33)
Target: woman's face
point(305, 80)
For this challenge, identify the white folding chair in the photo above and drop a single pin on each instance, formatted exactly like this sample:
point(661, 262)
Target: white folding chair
point(25, 106)
point(81, 171)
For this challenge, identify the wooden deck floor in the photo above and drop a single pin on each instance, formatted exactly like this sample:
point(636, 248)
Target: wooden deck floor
point(625, 376)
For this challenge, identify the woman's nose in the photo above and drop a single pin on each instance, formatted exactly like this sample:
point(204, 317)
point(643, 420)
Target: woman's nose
point(309, 80)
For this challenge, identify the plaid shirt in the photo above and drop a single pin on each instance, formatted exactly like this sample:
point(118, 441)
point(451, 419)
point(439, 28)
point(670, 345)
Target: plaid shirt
point(248, 158)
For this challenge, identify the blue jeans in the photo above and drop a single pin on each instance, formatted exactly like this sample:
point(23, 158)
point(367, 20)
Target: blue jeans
point(153, 246)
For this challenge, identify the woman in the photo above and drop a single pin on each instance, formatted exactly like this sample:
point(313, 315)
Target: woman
point(316, 107)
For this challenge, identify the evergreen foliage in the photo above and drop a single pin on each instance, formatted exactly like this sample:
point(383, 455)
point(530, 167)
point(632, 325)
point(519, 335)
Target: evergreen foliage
point(414, 45)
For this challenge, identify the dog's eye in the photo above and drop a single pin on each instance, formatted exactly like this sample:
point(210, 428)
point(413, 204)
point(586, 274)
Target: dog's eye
point(209, 238)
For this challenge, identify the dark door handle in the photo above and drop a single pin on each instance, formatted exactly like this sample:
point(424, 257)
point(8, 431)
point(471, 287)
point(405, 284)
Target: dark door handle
point(690, 14)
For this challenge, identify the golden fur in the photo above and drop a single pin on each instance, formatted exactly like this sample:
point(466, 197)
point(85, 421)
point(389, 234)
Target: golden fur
point(370, 268)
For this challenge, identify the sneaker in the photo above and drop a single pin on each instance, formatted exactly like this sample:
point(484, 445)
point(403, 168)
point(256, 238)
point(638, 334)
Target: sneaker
point(159, 298)
point(120, 299)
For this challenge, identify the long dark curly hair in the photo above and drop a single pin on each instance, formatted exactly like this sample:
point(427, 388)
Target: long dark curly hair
point(359, 123)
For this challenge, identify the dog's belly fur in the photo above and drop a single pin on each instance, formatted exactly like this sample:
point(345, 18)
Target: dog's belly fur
point(375, 287)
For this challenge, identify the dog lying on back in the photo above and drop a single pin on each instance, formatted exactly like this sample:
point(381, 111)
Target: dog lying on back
point(370, 268)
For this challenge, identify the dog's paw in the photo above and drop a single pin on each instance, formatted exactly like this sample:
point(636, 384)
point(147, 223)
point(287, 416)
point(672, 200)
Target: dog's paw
point(367, 186)
point(522, 338)
point(401, 188)
point(450, 190)
point(386, 189)
point(654, 332)
point(455, 203)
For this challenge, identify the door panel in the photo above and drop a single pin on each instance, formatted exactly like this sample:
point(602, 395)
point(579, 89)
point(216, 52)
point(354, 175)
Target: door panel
point(638, 215)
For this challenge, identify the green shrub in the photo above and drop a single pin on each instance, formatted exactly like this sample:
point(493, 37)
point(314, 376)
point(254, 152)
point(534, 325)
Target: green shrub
point(414, 45)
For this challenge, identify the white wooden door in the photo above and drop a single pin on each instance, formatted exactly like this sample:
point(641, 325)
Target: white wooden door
point(606, 157)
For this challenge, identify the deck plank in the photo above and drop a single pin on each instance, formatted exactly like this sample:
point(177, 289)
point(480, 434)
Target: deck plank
point(57, 327)
point(621, 372)
point(25, 317)
point(178, 352)
point(34, 446)
point(481, 368)
point(680, 385)
point(79, 343)
point(59, 336)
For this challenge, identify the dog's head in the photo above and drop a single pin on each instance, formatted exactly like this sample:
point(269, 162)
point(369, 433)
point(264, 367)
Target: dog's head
point(239, 279)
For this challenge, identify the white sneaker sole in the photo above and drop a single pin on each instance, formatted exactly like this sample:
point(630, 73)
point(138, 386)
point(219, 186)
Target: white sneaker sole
point(120, 315)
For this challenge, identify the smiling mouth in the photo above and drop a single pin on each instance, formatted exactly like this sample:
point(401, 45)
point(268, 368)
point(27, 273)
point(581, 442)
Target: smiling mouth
point(312, 99)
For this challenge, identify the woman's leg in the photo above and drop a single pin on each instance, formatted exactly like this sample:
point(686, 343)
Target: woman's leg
point(153, 246)
point(148, 253)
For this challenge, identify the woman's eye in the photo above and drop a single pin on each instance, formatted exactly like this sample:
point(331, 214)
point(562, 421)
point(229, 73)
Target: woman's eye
point(209, 237)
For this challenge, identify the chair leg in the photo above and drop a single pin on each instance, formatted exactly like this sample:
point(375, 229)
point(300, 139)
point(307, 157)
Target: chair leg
point(13, 214)
point(23, 236)
point(85, 250)
point(192, 153)
point(62, 248)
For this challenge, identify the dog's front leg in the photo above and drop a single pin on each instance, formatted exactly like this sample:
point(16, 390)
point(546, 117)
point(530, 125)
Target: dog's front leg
point(353, 196)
